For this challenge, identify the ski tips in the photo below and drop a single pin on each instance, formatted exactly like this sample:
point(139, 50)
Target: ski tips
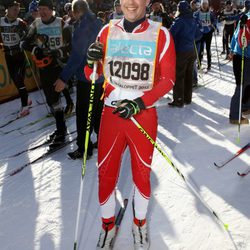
point(218, 165)
point(226, 226)
point(240, 174)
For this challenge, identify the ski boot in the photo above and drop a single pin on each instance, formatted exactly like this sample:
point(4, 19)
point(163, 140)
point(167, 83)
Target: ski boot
point(140, 234)
point(58, 139)
point(107, 237)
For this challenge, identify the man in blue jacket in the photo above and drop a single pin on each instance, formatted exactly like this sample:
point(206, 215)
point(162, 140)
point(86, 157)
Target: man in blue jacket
point(185, 31)
point(86, 29)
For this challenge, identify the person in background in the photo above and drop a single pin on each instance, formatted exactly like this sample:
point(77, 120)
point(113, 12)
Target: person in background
point(237, 44)
point(195, 5)
point(208, 22)
point(68, 17)
point(101, 15)
point(242, 11)
point(229, 26)
point(117, 13)
point(86, 29)
point(33, 12)
point(45, 41)
point(185, 32)
point(158, 14)
point(134, 81)
point(12, 30)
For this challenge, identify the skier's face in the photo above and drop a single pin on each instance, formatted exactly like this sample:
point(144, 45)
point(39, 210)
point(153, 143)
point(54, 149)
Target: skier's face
point(13, 12)
point(45, 13)
point(205, 6)
point(134, 10)
point(156, 7)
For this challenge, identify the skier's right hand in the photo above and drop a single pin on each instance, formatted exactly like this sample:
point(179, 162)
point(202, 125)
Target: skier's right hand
point(94, 53)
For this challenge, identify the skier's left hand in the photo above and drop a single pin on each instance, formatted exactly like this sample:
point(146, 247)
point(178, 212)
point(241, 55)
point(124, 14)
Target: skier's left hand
point(59, 85)
point(128, 108)
point(243, 20)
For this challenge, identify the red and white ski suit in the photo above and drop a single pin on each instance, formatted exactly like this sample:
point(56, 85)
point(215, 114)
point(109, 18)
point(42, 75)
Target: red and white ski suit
point(116, 133)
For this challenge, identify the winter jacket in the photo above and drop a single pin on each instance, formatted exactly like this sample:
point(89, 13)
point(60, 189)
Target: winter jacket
point(85, 33)
point(235, 45)
point(185, 31)
point(207, 20)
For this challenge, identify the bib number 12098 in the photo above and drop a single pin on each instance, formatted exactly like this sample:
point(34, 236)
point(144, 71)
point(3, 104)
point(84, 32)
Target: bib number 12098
point(128, 70)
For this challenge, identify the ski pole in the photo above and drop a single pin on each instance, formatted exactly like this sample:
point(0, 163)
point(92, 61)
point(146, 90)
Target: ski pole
point(188, 183)
point(91, 101)
point(36, 81)
point(199, 62)
point(241, 77)
point(216, 47)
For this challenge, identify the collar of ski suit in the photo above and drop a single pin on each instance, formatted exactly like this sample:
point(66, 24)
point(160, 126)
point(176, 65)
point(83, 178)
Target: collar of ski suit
point(51, 20)
point(140, 26)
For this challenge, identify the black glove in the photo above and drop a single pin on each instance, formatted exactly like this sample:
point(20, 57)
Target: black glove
point(38, 52)
point(243, 20)
point(94, 53)
point(128, 108)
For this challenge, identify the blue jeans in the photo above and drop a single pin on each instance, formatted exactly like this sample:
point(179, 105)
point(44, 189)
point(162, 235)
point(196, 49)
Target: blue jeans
point(234, 106)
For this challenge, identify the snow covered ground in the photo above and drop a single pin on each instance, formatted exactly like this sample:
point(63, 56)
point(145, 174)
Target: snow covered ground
point(38, 205)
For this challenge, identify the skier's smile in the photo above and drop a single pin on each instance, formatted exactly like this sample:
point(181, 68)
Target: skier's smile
point(134, 9)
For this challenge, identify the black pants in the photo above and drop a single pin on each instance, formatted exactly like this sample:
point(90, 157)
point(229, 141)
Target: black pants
point(206, 39)
point(16, 68)
point(48, 76)
point(82, 106)
point(182, 91)
point(228, 32)
point(237, 68)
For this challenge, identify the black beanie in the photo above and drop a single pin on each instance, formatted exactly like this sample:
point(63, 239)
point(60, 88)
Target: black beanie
point(47, 3)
